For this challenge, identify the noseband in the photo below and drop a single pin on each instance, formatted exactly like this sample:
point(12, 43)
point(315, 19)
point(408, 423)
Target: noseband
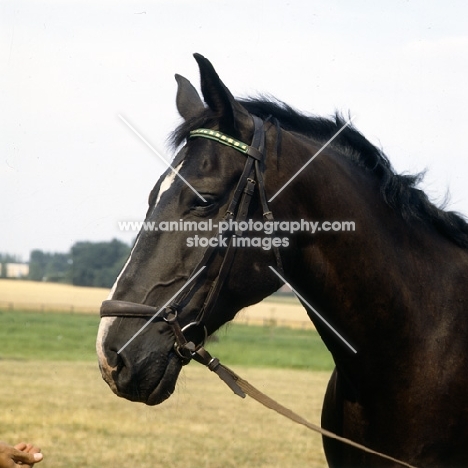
point(238, 207)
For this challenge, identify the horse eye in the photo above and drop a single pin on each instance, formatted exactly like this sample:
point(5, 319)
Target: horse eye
point(206, 202)
point(204, 206)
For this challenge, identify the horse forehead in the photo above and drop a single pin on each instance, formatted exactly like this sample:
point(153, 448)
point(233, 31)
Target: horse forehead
point(205, 155)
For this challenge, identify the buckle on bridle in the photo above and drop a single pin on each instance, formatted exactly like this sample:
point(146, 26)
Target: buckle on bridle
point(185, 351)
point(186, 344)
point(170, 315)
point(203, 332)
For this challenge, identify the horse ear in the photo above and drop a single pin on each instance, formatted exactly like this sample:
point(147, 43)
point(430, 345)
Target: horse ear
point(219, 98)
point(188, 101)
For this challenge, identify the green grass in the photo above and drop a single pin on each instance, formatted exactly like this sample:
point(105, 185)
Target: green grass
point(271, 346)
point(48, 336)
point(71, 337)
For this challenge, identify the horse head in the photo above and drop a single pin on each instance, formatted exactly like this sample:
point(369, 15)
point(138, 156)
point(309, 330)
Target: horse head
point(179, 271)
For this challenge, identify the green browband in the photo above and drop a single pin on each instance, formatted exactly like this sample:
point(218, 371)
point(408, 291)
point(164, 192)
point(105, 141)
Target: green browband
point(221, 138)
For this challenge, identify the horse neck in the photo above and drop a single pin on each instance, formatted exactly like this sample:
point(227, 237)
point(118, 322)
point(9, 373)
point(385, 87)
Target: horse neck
point(379, 280)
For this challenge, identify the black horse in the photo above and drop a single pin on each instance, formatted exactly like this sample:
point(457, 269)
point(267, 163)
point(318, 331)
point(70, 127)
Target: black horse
point(390, 292)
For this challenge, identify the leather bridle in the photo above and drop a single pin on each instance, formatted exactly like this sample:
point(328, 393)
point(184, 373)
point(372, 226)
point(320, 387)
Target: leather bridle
point(238, 208)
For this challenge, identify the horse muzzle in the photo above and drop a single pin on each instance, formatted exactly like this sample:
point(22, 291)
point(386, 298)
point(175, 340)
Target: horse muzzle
point(137, 357)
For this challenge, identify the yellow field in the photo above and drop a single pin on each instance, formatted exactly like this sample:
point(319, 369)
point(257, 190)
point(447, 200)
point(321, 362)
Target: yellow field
point(68, 411)
point(63, 297)
point(34, 294)
point(275, 313)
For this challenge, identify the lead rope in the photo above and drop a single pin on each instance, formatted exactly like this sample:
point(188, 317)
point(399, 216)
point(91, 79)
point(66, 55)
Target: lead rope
point(242, 388)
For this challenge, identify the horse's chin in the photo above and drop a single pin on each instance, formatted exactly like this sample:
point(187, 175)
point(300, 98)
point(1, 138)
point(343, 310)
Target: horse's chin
point(166, 386)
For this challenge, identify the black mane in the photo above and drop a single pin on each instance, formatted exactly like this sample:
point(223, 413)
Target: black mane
point(398, 190)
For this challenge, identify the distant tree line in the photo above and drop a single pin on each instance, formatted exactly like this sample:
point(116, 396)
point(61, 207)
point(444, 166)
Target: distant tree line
point(87, 264)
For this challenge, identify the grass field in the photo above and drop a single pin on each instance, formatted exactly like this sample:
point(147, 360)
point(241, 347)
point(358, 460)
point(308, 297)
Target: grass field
point(67, 410)
point(53, 395)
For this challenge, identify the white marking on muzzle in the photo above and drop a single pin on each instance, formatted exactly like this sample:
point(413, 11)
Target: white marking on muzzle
point(106, 369)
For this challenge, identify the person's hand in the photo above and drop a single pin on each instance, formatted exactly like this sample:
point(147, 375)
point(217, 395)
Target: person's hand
point(24, 455)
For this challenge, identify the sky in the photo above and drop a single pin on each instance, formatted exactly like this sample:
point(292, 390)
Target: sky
point(70, 169)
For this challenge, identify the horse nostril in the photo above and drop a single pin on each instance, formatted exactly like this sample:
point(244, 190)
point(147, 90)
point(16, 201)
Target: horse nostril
point(118, 361)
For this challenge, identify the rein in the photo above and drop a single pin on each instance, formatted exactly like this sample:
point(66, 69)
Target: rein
point(189, 349)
